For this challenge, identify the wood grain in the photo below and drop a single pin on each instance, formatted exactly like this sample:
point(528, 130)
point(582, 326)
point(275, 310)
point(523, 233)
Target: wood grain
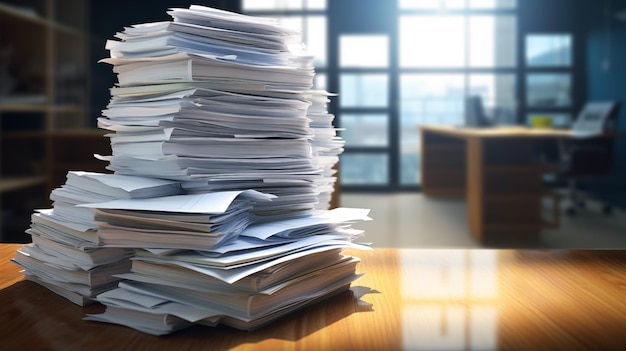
point(426, 299)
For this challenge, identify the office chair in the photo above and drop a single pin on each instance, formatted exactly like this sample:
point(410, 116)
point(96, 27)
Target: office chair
point(475, 113)
point(588, 156)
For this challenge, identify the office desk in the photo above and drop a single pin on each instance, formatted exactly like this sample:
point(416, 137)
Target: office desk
point(497, 172)
point(428, 300)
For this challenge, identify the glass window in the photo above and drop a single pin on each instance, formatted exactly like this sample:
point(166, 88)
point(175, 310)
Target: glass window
point(409, 166)
point(431, 99)
point(364, 129)
point(549, 89)
point(313, 29)
point(457, 4)
point(432, 41)
point(364, 169)
point(431, 4)
point(549, 50)
point(264, 5)
point(255, 5)
point(492, 41)
point(315, 4)
point(315, 39)
point(363, 51)
point(426, 99)
point(363, 90)
point(492, 4)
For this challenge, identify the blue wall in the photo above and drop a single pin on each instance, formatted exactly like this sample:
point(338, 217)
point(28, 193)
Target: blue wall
point(606, 80)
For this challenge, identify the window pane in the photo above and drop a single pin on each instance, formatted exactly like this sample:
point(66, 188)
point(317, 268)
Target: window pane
point(549, 89)
point(426, 99)
point(410, 168)
point(363, 90)
point(364, 129)
point(315, 39)
point(432, 41)
point(432, 4)
point(313, 29)
point(431, 99)
point(498, 95)
point(248, 5)
point(315, 4)
point(492, 4)
point(552, 50)
point(364, 169)
point(492, 41)
point(294, 22)
point(363, 51)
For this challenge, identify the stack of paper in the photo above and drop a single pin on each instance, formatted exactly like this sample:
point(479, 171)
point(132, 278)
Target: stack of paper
point(270, 270)
point(214, 105)
point(66, 254)
point(189, 221)
point(216, 100)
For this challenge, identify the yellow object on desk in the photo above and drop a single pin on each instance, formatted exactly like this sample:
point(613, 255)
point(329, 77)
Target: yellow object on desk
point(541, 121)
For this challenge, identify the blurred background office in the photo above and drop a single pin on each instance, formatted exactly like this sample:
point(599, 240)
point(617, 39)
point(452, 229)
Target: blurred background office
point(395, 64)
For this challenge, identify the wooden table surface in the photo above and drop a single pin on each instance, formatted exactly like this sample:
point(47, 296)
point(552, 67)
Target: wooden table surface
point(500, 131)
point(427, 300)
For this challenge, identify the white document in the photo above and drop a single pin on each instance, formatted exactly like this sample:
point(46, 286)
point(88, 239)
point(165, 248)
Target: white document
point(123, 186)
point(195, 203)
point(340, 215)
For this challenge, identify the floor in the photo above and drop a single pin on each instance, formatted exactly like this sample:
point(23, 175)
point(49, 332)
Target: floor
point(412, 220)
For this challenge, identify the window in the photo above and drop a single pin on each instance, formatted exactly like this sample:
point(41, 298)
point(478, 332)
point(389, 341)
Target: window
point(549, 84)
point(396, 68)
point(449, 50)
point(307, 16)
point(364, 109)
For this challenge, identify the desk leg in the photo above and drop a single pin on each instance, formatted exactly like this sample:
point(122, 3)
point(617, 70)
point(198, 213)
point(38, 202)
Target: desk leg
point(475, 187)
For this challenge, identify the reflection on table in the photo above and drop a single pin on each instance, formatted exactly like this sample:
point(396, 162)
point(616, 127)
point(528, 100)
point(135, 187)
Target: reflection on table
point(425, 300)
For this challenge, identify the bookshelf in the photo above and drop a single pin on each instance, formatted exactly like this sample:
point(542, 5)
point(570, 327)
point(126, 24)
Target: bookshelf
point(44, 100)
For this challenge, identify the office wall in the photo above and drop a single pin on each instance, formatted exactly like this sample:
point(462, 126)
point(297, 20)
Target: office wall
point(606, 80)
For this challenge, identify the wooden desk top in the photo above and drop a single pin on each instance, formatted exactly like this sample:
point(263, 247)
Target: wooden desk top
point(428, 300)
point(498, 132)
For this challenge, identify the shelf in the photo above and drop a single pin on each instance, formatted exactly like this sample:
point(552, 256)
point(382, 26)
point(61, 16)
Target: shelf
point(24, 134)
point(14, 183)
point(15, 13)
point(40, 107)
point(48, 45)
point(23, 107)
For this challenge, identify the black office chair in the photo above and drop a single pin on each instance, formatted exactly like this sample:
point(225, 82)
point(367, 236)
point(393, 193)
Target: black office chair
point(475, 113)
point(588, 156)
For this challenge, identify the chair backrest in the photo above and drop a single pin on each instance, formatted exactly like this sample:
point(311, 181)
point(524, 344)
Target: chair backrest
point(593, 156)
point(475, 112)
point(597, 117)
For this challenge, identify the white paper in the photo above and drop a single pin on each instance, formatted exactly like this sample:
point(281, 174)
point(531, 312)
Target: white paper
point(199, 203)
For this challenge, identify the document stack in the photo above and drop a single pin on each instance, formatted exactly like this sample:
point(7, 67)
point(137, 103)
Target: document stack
point(65, 254)
point(215, 102)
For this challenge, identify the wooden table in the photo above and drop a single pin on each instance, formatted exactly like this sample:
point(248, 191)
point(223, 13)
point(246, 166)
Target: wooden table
point(428, 299)
point(496, 170)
